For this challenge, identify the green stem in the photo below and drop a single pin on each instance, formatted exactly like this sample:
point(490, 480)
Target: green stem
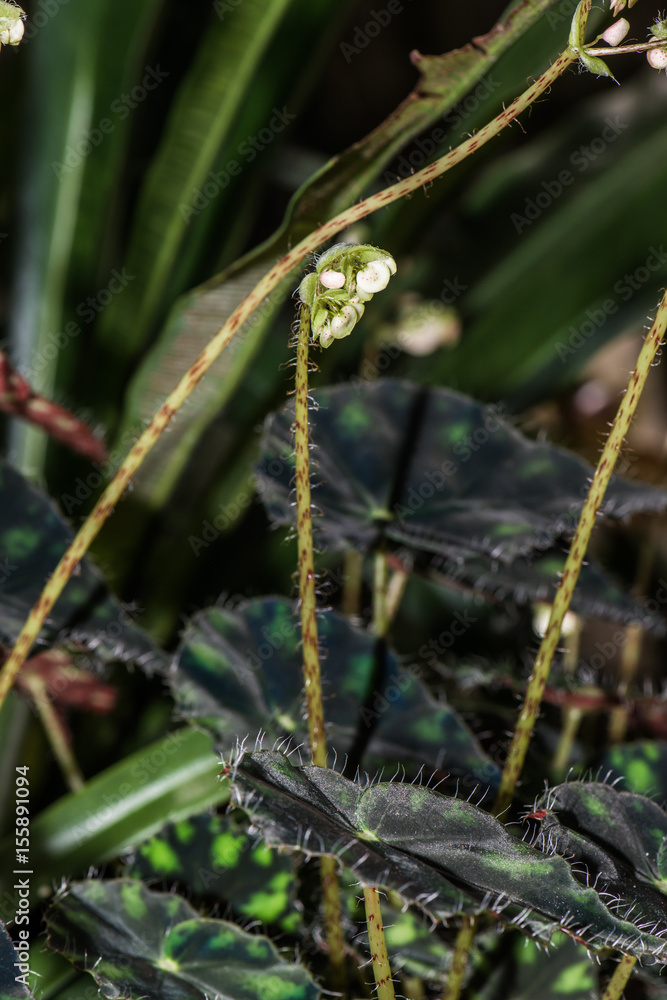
point(630, 657)
point(333, 923)
point(621, 975)
point(549, 644)
point(309, 641)
point(570, 725)
point(380, 593)
point(279, 272)
point(353, 568)
point(304, 529)
point(378, 945)
point(460, 957)
point(623, 50)
point(55, 733)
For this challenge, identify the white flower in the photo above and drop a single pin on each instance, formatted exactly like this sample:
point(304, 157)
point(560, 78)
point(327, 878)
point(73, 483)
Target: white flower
point(374, 277)
point(344, 322)
point(11, 23)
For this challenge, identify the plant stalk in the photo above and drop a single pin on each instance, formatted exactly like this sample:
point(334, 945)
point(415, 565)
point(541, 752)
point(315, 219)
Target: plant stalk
point(279, 272)
point(457, 969)
point(620, 978)
point(573, 563)
point(304, 529)
point(56, 733)
point(309, 641)
point(378, 945)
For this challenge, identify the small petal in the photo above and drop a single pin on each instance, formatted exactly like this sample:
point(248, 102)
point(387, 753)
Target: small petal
point(332, 279)
point(344, 322)
point(616, 32)
point(657, 58)
point(374, 277)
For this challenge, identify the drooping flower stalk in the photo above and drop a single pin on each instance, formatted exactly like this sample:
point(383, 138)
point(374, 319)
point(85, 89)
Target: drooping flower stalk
point(332, 301)
point(309, 640)
point(304, 528)
point(378, 946)
point(619, 980)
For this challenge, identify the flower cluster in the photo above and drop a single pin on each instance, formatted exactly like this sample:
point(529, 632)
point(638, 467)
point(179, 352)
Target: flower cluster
point(11, 23)
point(346, 277)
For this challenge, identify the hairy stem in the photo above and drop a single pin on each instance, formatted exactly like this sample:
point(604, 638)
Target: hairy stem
point(620, 978)
point(457, 969)
point(304, 529)
point(378, 945)
point(309, 641)
point(56, 733)
point(549, 644)
point(216, 345)
point(333, 924)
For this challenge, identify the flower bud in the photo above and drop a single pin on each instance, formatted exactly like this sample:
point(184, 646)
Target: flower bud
point(374, 277)
point(332, 279)
point(616, 32)
point(657, 58)
point(11, 23)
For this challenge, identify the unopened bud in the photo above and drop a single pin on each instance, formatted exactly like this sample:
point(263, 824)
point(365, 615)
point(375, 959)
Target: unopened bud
point(11, 23)
point(616, 32)
point(332, 279)
point(657, 58)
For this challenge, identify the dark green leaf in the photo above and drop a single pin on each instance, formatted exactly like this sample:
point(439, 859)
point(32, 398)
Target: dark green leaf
point(534, 579)
point(623, 825)
point(642, 765)
point(405, 837)
point(216, 857)
point(436, 471)
point(12, 986)
point(172, 778)
point(240, 672)
point(564, 972)
point(154, 944)
point(33, 537)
